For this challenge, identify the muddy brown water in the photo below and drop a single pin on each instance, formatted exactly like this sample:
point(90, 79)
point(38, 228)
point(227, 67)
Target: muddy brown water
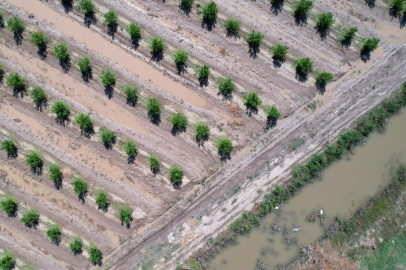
point(344, 187)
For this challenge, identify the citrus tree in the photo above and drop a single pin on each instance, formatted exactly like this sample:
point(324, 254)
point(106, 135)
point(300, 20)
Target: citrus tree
point(10, 147)
point(39, 96)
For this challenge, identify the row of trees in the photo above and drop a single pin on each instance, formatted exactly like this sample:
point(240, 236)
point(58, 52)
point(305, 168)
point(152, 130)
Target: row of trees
point(31, 219)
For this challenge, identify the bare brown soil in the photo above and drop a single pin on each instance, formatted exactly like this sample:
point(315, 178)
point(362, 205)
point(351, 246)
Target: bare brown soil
point(170, 224)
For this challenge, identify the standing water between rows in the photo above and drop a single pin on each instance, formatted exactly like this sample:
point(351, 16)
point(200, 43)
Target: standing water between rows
point(343, 188)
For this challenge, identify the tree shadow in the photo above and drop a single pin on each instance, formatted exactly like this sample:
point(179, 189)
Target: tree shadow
point(65, 64)
point(40, 104)
point(90, 18)
point(131, 158)
point(155, 171)
point(12, 154)
point(226, 97)
point(13, 214)
point(132, 102)
point(370, 3)
point(203, 82)
point(157, 56)
point(345, 43)
point(249, 110)
point(277, 63)
point(1, 76)
point(105, 208)
point(18, 37)
point(42, 52)
point(253, 51)
point(301, 20)
point(185, 9)
point(365, 55)
point(177, 185)
point(56, 241)
point(109, 145)
point(2, 23)
point(276, 7)
point(58, 183)
point(323, 32)
point(155, 119)
point(176, 130)
point(87, 132)
point(19, 91)
point(82, 197)
point(135, 42)
point(112, 29)
point(271, 123)
point(402, 21)
point(37, 169)
point(67, 5)
point(181, 68)
point(109, 90)
point(321, 88)
point(301, 77)
point(224, 157)
point(201, 141)
point(34, 225)
point(87, 75)
point(127, 224)
point(62, 121)
point(209, 24)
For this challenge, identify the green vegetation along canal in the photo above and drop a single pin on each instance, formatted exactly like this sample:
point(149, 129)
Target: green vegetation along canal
point(344, 186)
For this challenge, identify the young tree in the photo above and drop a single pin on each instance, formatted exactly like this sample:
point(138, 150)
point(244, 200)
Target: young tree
point(224, 147)
point(252, 101)
point(10, 147)
point(111, 19)
point(16, 26)
point(7, 262)
point(300, 9)
point(369, 45)
point(322, 78)
point(54, 234)
point(108, 81)
point(125, 213)
point(34, 160)
point(279, 52)
point(102, 200)
point(202, 132)
point(39, 96)
point(203, 73)
point(154, 109)
point(9, 206)
point(232, 27)
point(209, 13)
point(62, 53)
point(226, 87)
point(273, 115)
point(324, 21)
point(41, 41)
point(157, 48)
point(95, 255)
point(180, 59)
point(1, 19)
point(348, 36)
point(186, 5)
point(1, 73)
point(85, 123)
point(254, 41)
point(80, 187)
point(55, 175)
point(108, 137)
point(304, 66)
point(134, 30)
point(130, 149)
point(30, 218)
point(88, 7)
point(76, 245)
point(176, 175)
point(179, 122)
point(154, 163)
point(62, 111)
point(17, 83)
point(85, 68)
point(397, 8)
point(131, 93)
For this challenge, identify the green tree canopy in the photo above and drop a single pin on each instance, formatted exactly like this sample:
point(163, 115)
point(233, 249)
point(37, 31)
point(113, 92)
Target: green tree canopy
point(154, 163)
point(17, 83)
point(203, 73)
point(39, 96)
point(16, 26)
point(202, 132)
point(95, 255)
point(111, 20)
point(224, 147)
point(304, 66)
point(273, 115)
point(301, 9)
point(85, 123)
point(154, 109)
point(62, 111)
point(324, 21)
point(233, 27)
point(179, 122)
point(176, 175)
point(209, 13)
point(157, 48)
point(134, 30)
point(180, 59)
point(130, 149)
point(251, 100)
point(348, 35)
point(254, 40)
point(226, 86)
point(54, 234)
point(125, 213)
point(33, 159)
point(30, 218)
point(102, 199)
point(85, 68)
point(55, 175)
point(41, 41)
point(108, 137)
point(279, 52)
point(80, 187)
point(186, 5)
point(76, 245)
point(131, 93)
point(7, 262)
point(10, 147)
point(322, 77)
point(9, 206)
point(62, 53)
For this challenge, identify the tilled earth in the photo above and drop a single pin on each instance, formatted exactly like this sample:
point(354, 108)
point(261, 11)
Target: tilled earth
point(170, 224)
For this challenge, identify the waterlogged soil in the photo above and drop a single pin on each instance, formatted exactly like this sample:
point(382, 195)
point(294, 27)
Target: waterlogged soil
point(342, 189)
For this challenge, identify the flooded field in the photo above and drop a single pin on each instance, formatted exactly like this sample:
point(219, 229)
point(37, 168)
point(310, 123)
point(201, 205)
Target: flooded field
point(342, 189)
